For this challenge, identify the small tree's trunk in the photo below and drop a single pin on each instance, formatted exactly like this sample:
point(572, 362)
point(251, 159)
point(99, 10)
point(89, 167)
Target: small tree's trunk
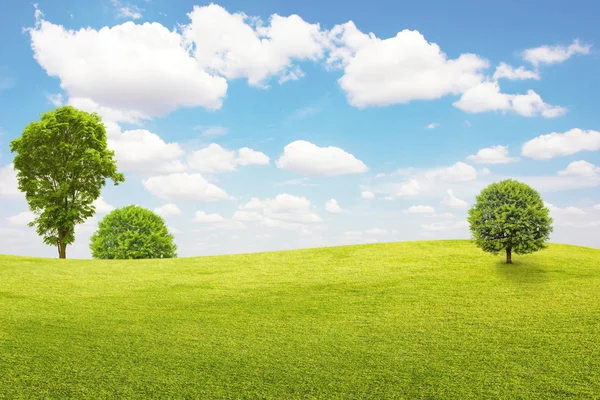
point(508, 255)
point(62, 247)
point(62, 250)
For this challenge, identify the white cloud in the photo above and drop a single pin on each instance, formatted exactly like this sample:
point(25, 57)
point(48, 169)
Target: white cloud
point(459, 172)
point(102, 207)
point(308, 159)
point(554, 54)
point(484, 172)
point(184, 186)
point(581, 168)
point(410, 188)
point(144, 151)
point(419, 210)
point(444, 226)
point(452, 201)
point(215, 159)
point(168, 210)
point(492, 155)
point(217, 221)
point(127, 11)
point(445, 215)
point(282, 224)
point(432, 125)
point(574, 216)
point(141, 68)
point(55, 99)
point(486, 96)
point(88, 226)
point(238, 46)
point(284, 207)
point(211, 131)
point(9, 186)
point(504, 70)
point(367, 195)
point(380, 72)
point(247, 156)
point(376, 232)
point(557, 144)
point(333, 207)
point(241, 215)
point(21, 219)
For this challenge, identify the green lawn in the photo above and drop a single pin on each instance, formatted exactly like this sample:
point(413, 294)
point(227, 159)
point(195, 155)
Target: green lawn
point(399, 320)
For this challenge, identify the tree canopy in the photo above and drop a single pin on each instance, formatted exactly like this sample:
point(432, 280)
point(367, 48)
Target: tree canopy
point(511, 216)
point(132, 232)
point(62, 163)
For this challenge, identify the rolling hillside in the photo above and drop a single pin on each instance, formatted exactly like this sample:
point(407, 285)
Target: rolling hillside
point(398, 320)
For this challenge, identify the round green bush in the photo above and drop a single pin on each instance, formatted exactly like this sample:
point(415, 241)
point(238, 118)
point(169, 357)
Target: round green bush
point(132, 232)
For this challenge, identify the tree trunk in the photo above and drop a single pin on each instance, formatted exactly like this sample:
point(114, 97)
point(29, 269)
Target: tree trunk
point(508, 255)
point(62, 250)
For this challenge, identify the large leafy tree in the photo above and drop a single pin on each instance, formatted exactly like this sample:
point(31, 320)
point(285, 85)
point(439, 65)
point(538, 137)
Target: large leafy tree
point(132, 232)
point(62, 163)
point(510, 216)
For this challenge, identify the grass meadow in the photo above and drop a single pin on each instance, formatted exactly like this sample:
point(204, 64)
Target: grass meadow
point(412, 320)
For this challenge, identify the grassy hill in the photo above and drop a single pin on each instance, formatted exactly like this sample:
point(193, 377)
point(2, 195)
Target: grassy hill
point(399, 320)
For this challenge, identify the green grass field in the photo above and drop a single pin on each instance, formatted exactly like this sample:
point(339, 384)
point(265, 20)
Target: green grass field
point(399, 320)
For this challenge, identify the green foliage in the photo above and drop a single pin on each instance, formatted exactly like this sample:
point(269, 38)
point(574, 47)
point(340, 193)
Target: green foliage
point(132, 232)
point(511, 216)
point(62, 162)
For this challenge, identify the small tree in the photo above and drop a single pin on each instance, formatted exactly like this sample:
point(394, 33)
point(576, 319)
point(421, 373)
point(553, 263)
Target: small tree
point(62, 163)
point(511, 216)
point(132, 232)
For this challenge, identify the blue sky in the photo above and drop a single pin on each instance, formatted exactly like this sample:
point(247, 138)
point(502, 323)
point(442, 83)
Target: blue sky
point(269, 125)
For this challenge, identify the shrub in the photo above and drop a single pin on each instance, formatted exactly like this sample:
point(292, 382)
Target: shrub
point(132, 232)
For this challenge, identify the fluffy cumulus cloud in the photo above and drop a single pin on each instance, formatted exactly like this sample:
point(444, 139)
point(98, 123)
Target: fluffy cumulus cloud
point(486, 96)
point(241, 215)
point(450, 200)
point(581, 168)
point(432, 125)
point(21, 219)
point(284, 207)
point(102, 207)
point(575, 217)
point(333, 207)
point(367, 195)
point(217, 221)
point(444, 226)
point(554, 54)
point(214, 159)
point(492, 155)
point(239, 46)
point(168, 210)
point(184, 186)
point(144, 151)
point(144, 69)
point(505, 71)
point(419, 210)
point(308, 159)
point(459, 172)
point(406, 67)
point(405, 189)
point(9, 186)
point(557, 144)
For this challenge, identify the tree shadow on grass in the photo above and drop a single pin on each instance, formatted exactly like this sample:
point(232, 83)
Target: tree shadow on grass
point(522, 272)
